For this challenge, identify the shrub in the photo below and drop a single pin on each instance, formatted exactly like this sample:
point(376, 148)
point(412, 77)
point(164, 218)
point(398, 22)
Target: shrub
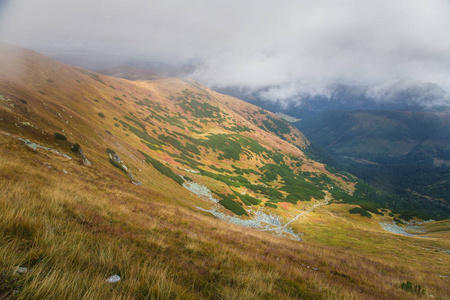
point(101, 115)
point(409, 287)
point(268, 204)
point(59, 136)
point(75, 147)
point(110, 151)
point(233, 206)
point(136, 122)
point(249, 200)
point(361, 211)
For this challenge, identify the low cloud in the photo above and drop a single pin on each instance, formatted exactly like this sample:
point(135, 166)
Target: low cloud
point(283, 50)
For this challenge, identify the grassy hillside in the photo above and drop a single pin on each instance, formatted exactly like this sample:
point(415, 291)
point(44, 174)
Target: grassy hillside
point(95, 174)
point(176, 127)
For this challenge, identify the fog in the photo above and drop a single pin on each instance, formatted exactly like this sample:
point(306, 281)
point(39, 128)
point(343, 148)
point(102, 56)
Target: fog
point(294, 47)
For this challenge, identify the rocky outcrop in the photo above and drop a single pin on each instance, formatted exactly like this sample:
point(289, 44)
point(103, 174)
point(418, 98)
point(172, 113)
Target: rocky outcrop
point(85, 161)
point(36, 146)
point(115, 159)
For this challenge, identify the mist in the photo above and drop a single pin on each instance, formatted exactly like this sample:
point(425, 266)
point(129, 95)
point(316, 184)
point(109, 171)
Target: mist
point(281, 50)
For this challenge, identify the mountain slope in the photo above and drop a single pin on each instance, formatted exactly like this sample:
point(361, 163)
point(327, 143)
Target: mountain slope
point(407, 153)
point(202, 135)
point(90, 177)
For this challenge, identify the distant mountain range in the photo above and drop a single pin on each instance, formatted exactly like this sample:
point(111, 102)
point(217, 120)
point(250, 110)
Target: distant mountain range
point(131, 73)
point(399, 94)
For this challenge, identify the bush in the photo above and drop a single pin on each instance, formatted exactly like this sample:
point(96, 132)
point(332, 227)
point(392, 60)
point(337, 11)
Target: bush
point(268, 204)
point(75, 147)
point(409, 287)
point(233, 206)
point(362, 212)
point(249, 200)
point(59, 136)
point(101, 115)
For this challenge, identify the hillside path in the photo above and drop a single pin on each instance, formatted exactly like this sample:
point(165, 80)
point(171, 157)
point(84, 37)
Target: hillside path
point(299, 215)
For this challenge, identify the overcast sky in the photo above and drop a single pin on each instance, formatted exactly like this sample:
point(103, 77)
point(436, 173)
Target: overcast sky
point(296, 45)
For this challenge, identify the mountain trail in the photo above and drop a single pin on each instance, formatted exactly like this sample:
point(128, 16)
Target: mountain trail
point(298, 216)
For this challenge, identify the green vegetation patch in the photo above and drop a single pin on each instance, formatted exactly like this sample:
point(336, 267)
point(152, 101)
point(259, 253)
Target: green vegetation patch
point(142, 135)
point(170, 140)
point(221, 170)
point(409, 287)
point(229, 204)
point(150, 146)
point(75, 147)
point(268, 204)
point(165, 119)
point(135, 122)
point(59, 136)
point(249, 200)
point(233, 145)
point(236, 181)
point(239, 128)
point(279, 127)
point(163, 169)
point(361, 211)
point(199, 109)
point(187, 161)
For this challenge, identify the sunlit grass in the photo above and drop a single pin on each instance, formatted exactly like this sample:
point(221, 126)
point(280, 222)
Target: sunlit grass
point(73, 236)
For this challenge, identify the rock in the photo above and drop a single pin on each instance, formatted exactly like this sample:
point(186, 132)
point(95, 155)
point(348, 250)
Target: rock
point(19, 271)
point(30, 144)
point(113, 279)
point(86, 162)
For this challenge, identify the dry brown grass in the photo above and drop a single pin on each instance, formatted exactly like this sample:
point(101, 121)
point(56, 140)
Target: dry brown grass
point(74, 233)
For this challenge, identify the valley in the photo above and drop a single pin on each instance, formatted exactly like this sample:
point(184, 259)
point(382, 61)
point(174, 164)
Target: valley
point(151, 179)
point(401, 152)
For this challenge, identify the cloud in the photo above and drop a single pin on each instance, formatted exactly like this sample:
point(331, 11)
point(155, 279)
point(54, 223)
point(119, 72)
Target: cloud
point(295, 47)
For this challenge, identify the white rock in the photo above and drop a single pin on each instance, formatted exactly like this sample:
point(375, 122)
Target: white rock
point(19, 271)
point(113, 279)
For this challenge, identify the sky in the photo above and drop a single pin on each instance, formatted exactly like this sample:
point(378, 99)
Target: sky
point(292, 46)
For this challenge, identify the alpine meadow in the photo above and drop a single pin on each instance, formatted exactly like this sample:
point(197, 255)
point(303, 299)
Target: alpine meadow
point(224, 151)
